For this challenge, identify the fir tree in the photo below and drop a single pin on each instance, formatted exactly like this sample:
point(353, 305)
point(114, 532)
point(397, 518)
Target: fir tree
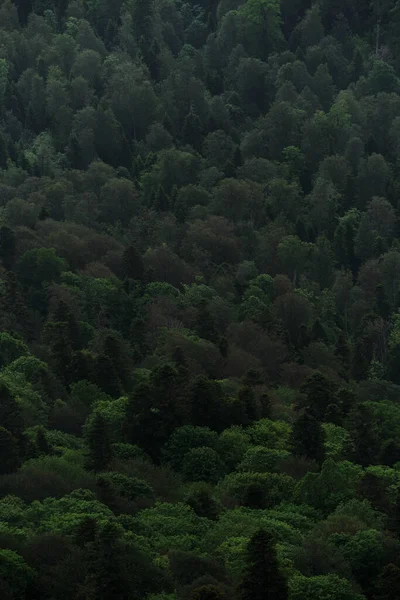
point(248, 398)
point(365, 441)
point(97, 438)
point(262, 578)
point(308, 438)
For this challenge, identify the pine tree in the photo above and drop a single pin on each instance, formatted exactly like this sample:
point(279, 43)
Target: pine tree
point(9, 458)
point(262, 578)
point(365, 441)
point(308, 438)
point(97, 438)
point(248, 398)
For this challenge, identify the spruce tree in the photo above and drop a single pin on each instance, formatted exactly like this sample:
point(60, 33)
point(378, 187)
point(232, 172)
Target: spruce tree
point(320, 392)
point(365, 441)
point(248, 398)
point(98, 441)
point(308, 438)
point(262, 578)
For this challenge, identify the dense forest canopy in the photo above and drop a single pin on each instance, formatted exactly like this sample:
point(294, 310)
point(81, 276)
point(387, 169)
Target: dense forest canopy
point(199, 300)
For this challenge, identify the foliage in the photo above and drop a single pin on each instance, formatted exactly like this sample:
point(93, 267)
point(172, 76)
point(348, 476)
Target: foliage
point(199, 299)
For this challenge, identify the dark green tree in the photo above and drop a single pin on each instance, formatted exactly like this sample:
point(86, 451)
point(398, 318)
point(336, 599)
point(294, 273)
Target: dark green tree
point(3, 152)
point(10, 411)
point(98, 442)
point(262, 578)
point(9, 458)
point(388, 583)
point(320, 393)
point(106, 376)
point(308, 438)
point(132, 264)
point(7, 247)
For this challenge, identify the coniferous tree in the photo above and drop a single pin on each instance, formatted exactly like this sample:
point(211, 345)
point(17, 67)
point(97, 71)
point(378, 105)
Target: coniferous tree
point(106, 376)
point(248, 398)
point(98, 441)
point(308, 438)
point(262, 578)
point(365, 441)
point(206, 402)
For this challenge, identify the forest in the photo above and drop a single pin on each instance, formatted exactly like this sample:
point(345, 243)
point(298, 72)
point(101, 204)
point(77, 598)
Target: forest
point(199, 300)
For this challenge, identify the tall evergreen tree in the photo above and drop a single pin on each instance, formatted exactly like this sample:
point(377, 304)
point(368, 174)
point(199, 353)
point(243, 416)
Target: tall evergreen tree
point(106, 376)
point(262, 578)
point(308, 438)
point(98, 441)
